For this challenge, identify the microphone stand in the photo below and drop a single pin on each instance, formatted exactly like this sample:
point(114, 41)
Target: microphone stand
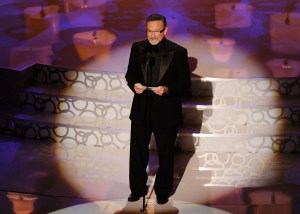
point(149, 64)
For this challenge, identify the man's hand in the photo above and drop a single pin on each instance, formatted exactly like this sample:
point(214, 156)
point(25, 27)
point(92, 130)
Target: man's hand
point(139, 88)
point(160, 90)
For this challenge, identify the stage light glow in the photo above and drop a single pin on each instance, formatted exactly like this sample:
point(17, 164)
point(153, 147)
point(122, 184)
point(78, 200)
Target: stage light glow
point(120, 207)
point(221, 176)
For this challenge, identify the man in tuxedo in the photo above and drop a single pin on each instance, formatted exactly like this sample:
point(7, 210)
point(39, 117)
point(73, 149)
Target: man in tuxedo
point(158, 74)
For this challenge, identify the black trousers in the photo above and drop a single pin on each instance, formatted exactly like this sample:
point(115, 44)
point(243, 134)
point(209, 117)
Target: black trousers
point(139, 157)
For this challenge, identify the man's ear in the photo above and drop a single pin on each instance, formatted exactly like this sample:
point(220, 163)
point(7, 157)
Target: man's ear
point(166, 30)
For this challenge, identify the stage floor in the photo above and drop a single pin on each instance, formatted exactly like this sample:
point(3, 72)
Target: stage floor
point(66, 178)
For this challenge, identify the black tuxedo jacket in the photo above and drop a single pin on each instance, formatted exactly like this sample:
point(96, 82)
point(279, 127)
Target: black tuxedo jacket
point(166, 110)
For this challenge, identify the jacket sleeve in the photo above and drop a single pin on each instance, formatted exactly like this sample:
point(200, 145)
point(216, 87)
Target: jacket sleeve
point(181, 68)
point(131, 75)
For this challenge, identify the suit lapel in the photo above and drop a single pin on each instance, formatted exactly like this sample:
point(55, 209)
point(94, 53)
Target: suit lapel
point(165, 63)
point(142, 54)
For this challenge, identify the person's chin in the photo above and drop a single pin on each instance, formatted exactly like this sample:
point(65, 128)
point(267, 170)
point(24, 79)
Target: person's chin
point(154, 42)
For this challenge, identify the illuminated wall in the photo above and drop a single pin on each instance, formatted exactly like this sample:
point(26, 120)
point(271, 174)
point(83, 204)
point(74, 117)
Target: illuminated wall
point(226, 38)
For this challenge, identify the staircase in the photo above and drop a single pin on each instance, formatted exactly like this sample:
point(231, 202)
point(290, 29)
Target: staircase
point(92, 108)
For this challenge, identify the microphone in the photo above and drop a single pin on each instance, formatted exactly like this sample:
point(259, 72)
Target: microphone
point(149, 65)
point(149, 59)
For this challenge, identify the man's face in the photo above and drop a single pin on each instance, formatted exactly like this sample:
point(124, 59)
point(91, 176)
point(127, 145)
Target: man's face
point(155, 31)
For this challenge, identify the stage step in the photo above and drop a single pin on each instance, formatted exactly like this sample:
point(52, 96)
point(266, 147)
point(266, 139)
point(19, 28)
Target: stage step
point(201, 86)
point(197, 110)
point(66, 77)
point(94, 131)
point(78, 101)
point(220, 115)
